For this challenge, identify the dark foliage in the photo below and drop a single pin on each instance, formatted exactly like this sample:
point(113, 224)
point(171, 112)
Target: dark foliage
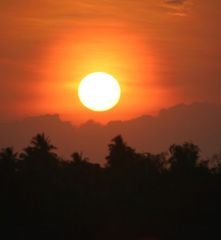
point(172, 195)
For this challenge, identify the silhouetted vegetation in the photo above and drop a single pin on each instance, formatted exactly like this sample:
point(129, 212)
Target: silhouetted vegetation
point(172, 195)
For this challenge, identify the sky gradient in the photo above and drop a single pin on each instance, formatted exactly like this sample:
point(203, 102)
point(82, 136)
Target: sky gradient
point(162, 52)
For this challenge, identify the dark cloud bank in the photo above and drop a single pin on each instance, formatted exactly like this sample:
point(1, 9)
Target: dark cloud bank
point(198, 123)
point(175, 1)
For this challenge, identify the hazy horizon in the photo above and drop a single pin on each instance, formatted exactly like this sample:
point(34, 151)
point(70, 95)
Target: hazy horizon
point(79, 124)
point(145, 133)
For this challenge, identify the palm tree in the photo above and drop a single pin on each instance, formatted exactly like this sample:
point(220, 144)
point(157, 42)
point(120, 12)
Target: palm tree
point(40, 155)
point(42, 143)
point(120, 154)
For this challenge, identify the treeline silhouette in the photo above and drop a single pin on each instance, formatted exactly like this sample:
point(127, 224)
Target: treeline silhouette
point(173, 195)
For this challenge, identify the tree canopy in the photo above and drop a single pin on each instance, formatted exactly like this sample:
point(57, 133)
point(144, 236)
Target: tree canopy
point(169, 195)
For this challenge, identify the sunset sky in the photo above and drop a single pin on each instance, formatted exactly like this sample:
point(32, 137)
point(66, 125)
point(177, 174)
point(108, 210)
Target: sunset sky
point(162, 53)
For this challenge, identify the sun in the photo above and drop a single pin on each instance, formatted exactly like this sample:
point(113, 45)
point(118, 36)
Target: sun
point(99, 91)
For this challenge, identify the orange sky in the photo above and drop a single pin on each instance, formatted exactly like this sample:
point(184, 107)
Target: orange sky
point(162, 53)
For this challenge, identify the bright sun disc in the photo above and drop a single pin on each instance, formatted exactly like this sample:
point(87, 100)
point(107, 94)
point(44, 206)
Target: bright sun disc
point(99, 91)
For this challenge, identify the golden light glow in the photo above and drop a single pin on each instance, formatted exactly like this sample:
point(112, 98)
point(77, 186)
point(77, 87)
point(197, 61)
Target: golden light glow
point(99, 91)
point(119, 50)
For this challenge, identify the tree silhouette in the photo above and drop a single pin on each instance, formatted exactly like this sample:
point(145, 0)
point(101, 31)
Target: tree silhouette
point(136, 195)
point(120, 154)
point(8, 160)
point(153, 163)
point(77, 158)
point(215, 163)
point(39, 155)
point(184, 157)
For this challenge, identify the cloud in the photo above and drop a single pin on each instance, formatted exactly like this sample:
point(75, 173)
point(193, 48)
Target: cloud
point(176, 2)
point(177, 8)
point(153, 134)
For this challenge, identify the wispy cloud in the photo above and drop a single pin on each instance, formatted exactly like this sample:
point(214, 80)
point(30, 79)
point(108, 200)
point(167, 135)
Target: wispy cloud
point(176, 2)
point(177, 7)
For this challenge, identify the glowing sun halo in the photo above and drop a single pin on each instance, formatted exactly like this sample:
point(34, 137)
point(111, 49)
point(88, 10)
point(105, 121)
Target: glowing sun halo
point(99, 91)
